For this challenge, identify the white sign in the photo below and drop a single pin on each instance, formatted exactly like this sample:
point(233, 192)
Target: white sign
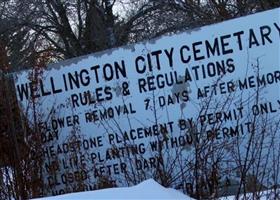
point(140, 111)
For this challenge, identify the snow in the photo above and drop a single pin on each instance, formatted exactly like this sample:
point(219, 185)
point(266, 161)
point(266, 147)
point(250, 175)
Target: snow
point(146, 190)
point(264, 195)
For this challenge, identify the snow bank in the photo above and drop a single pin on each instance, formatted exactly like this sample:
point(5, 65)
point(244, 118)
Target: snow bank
point(148, 189)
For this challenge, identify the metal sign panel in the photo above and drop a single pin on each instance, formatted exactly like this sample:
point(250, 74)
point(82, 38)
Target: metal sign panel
point(169, 108)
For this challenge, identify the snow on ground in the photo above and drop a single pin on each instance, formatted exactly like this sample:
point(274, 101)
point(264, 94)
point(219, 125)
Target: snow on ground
point(265, 195)
point(146, 190)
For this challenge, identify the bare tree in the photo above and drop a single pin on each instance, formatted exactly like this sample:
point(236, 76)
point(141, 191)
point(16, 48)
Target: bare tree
point(66, 29)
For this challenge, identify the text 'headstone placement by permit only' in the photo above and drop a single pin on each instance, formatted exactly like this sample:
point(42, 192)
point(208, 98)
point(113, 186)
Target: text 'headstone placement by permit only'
point(185, 104)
